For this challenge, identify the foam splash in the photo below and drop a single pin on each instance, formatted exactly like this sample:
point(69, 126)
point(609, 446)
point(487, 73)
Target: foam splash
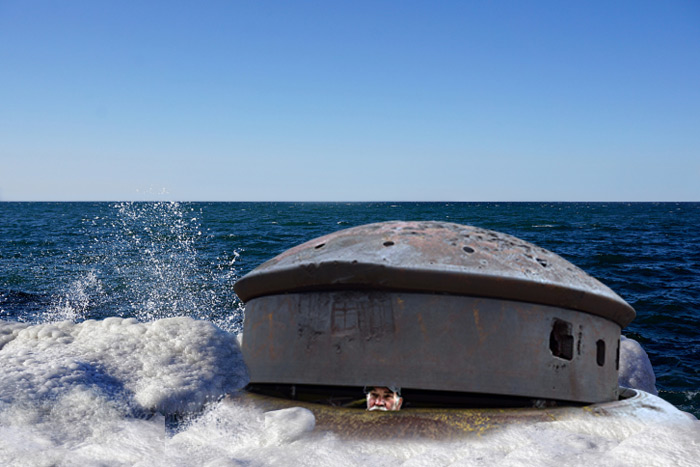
point(75, 304)
point(144, 261)
point(162, 237)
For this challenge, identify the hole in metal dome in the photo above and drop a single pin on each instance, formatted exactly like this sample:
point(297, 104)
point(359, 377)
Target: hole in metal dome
point(389, 243)
point(468, 249)
point(561, 342)
point(320, 245)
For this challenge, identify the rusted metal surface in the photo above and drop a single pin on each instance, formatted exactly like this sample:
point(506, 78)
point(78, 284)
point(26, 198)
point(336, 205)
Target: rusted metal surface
point(440, 424)
point(432, 306)
point(433, 342)
point(435, 257)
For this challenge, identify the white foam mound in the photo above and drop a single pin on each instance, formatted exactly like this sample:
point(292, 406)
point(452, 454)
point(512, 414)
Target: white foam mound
point(169, 365)
point(635, 368)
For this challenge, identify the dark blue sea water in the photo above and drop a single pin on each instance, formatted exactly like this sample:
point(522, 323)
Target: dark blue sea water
point(78, 261)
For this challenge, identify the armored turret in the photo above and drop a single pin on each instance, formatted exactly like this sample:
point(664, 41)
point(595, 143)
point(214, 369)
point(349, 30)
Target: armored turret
point(432, 306)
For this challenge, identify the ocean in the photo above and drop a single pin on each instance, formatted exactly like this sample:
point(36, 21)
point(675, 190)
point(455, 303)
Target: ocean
point(116, 315)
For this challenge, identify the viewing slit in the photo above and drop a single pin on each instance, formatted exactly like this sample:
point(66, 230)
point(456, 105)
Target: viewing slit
point(600, 352)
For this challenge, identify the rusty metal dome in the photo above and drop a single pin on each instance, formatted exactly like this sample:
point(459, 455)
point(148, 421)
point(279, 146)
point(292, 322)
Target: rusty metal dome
point(432, 306)
point(435, 257)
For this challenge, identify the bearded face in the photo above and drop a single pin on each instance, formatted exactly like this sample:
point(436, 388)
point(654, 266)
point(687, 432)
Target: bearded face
point(381, 398)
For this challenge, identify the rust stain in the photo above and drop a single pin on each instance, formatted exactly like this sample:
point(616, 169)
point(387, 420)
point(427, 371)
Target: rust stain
point(479, 327)
point(423, 330)
point(270, 335)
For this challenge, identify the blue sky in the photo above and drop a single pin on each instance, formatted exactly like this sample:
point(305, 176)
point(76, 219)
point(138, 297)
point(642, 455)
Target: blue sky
point(350, 101)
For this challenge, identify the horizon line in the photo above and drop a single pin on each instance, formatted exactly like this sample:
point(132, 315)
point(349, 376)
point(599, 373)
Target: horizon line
point(343, 201)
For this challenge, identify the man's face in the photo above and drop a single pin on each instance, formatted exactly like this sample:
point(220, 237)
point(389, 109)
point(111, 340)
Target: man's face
point(383, 399)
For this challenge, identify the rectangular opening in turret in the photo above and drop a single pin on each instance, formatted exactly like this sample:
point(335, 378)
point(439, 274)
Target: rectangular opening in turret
point(561, 341)
point(600, 352)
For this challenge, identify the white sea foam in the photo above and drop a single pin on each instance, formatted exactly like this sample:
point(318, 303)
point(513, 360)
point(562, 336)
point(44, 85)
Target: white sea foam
point(169, 365)
point(635, 368)
point(98, 393)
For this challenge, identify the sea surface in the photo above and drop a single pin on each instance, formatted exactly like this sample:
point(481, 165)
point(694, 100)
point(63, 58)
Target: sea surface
point(104, 307)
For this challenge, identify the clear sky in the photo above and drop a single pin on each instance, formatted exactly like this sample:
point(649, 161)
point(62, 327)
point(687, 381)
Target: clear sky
point(350, 100)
